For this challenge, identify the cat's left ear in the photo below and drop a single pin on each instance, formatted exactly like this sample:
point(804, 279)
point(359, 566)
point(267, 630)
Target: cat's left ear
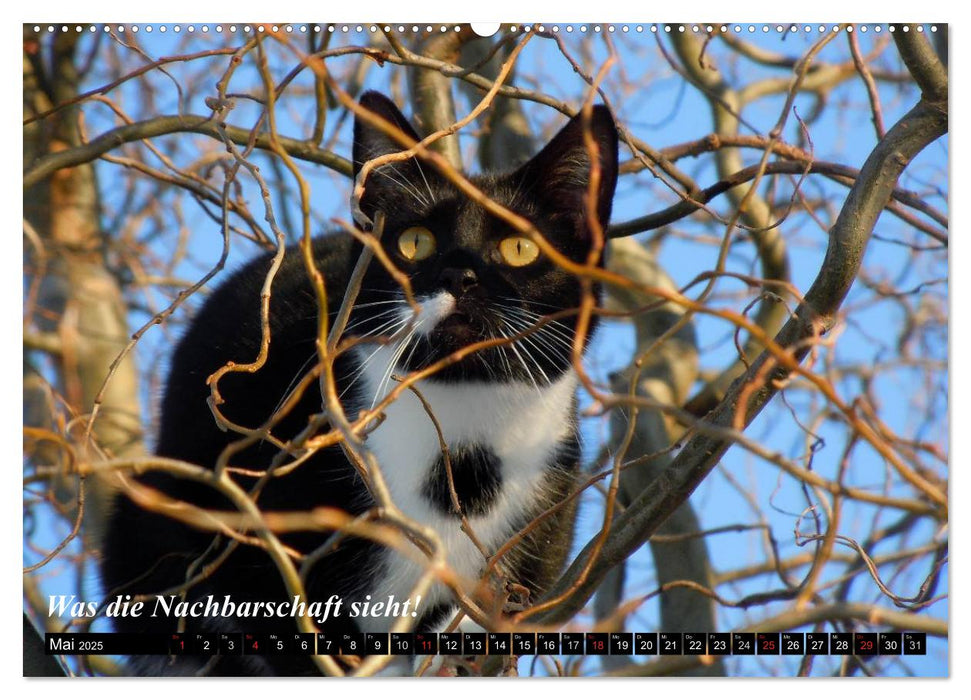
point(396, 186)
point(560, 173)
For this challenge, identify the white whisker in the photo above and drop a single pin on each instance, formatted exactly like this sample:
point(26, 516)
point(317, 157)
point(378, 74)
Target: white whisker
point(421, 172)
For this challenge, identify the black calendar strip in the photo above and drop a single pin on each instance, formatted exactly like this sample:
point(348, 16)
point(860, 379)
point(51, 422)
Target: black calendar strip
point(495, 643)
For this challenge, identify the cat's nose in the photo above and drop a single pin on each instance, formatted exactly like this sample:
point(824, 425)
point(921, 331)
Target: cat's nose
point(458, 281)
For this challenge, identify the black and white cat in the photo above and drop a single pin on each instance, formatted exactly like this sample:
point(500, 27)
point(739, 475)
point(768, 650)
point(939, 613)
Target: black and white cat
point(507, 414)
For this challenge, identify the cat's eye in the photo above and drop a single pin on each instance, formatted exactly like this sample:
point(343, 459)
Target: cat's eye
point(416, 243)
point(518, 251)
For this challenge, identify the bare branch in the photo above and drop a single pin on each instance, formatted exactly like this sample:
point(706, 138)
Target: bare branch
point(920, 127)
point(160, 126)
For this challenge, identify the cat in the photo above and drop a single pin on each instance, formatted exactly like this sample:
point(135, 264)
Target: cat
point(508, 414)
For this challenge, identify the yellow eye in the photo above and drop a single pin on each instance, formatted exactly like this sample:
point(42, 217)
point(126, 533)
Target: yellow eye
point(416, 243)
point(518, 251)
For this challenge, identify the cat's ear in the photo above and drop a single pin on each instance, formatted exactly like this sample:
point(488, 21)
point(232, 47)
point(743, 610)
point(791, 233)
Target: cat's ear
point(560, 173)
point(399, 183)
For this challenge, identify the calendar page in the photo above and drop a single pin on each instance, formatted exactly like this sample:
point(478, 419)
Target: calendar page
point(577, 349)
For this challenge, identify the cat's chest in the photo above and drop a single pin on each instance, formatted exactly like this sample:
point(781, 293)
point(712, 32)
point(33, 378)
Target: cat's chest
point(501, 435)
point(501, 440)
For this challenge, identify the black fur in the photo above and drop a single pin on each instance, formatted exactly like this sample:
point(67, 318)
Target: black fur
point(475, 475)
point(147, 553)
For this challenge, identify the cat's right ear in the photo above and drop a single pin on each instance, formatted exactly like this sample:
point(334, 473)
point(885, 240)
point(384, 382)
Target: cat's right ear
point(560, 173)
point(392, 186)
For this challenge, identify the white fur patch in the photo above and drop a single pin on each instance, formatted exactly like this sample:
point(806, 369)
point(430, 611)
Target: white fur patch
point(522, 424)
point(434, 309)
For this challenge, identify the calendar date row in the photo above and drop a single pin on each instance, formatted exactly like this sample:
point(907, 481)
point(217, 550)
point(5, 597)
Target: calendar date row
point(496, 643)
